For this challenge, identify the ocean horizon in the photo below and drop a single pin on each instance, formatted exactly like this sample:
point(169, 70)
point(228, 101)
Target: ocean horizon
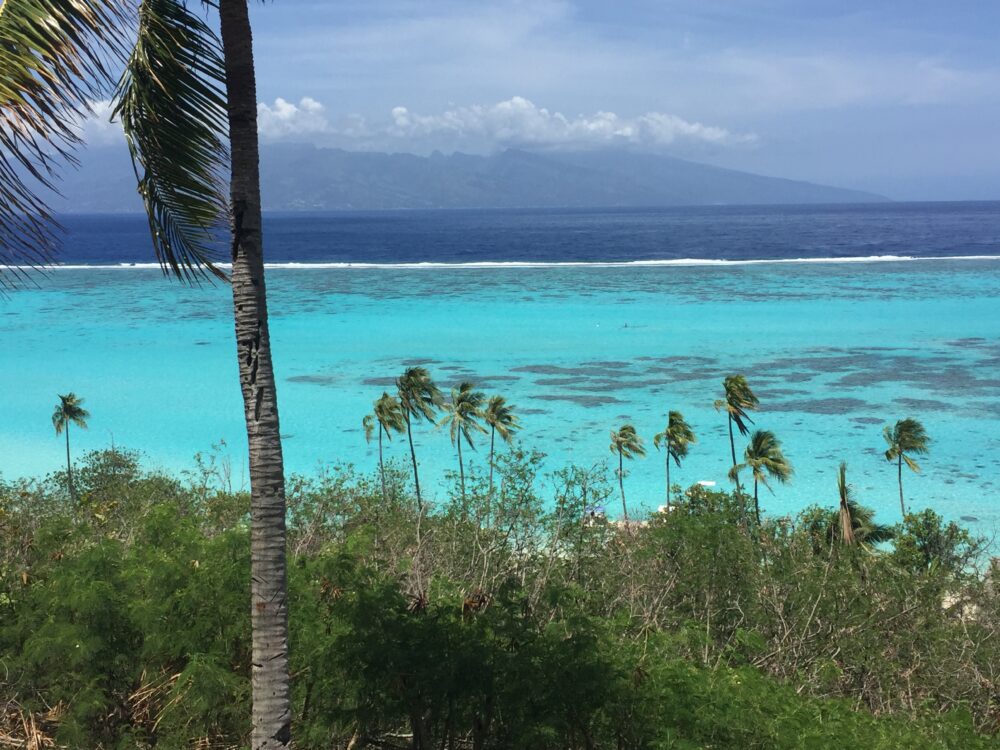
point(843, 319)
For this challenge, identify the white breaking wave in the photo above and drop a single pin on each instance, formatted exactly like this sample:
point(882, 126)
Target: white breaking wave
point(514, 264)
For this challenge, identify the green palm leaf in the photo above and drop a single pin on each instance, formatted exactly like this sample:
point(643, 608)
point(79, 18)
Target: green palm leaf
point(53, 62)
point(172, 105)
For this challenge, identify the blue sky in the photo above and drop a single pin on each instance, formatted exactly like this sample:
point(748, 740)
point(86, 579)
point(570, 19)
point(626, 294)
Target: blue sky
point(898, 97)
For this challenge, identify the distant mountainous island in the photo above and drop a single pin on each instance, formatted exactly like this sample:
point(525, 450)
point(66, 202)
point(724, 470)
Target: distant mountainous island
point(308, 178)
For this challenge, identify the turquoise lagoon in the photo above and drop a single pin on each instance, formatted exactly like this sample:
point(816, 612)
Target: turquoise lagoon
point(835, 351)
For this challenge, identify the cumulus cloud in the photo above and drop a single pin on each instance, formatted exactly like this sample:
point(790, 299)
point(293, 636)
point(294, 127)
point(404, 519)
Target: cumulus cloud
point(520, 121)
point(514, 122)
point(99, 129)
point(284, 118)
point(482, 127)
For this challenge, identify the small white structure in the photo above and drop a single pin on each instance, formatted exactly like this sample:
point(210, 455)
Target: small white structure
point(706, 484)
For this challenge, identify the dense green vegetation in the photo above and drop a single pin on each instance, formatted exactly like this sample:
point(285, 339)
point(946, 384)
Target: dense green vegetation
point(517, 621)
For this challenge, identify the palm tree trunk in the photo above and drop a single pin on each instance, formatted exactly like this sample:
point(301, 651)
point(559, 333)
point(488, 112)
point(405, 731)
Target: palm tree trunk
point(381, 466)
point(269, 610)
point(493, 435)
point(413, 457)
point(69, 467)
point(902, 505)
point(461, 466)
point(732, 448)
point(668, 480)
point(756, 505)
point(621, 484)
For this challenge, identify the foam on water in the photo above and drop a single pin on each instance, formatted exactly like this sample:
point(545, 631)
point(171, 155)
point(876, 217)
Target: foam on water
point(432, 265)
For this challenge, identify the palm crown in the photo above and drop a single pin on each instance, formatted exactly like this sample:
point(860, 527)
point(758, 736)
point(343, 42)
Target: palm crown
point(676, 438)
point(388, 414)
point(499, 415)
point(463, 412)
point(626, 442)
point(418, 396)
point(739, 399)
point(906, 437)
point(69, 410)
point(764, 457)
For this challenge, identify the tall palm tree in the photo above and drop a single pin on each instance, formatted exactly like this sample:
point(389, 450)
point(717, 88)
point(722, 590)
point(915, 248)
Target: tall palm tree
point(502, 421)
point(419, 398)
point(739, 399)
point(763, 456)
point(625, 441)
point(845, 492)
point(388, 415)
point(905, 438)
point(462, 414)
point(69, 411)
point(676, 438)
point(187, 102)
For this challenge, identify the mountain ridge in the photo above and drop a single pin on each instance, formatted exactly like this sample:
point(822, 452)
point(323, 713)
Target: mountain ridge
point(304, 177)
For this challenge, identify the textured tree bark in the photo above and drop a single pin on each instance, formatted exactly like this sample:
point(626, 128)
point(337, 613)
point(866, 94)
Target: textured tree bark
point(899, 467)
point(732, 448)
point(461, 466)
point(668, 477)
point(269, 605)
point(621, 484)
point(381, 466)
point(413, 456)
point(69, 467)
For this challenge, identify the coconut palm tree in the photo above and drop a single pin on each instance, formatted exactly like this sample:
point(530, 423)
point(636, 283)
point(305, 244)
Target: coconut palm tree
point(502, 421)
point(739, 399)
point(462, 414)
point(388, 415)
point(69, 411)
point(625, 441)
point(676, 438)
point(419, 398)
point(187, 103)
point(763, 456)
point(905, 438)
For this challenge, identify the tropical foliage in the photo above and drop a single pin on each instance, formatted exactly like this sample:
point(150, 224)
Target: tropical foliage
point(124, 619)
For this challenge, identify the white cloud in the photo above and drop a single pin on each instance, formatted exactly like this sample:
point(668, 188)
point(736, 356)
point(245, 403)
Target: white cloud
point(515, 121)
point(481, 127)
point(283, 118)
point(99, 129)
point(518, 121)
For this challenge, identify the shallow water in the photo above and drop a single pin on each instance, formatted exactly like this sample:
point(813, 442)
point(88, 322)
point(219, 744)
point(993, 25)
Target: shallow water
point(835, 351)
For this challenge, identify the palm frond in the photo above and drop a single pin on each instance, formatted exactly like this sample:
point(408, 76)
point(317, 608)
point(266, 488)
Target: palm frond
point(172, 107)
point(55, 56)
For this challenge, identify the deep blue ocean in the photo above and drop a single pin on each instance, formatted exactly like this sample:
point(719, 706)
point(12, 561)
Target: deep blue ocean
point(586, 235)
point(583, 319)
